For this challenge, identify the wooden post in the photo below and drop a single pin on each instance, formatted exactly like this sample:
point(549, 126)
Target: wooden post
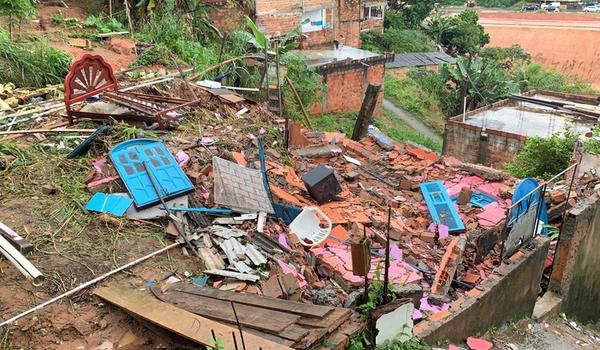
point(365, 117)
point(295, 92)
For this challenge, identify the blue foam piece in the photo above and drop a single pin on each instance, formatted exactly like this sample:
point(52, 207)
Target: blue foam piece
point(109, 204)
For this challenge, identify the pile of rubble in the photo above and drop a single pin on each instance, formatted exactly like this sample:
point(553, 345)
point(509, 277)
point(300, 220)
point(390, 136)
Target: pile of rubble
point(311, 225)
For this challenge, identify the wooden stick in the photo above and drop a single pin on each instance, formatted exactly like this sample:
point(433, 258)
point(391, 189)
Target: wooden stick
point(308, 123)
point(46, 131)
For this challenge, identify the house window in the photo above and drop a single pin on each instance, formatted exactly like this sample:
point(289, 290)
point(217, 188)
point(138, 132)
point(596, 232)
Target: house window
point(313, 21)
point(373, 12)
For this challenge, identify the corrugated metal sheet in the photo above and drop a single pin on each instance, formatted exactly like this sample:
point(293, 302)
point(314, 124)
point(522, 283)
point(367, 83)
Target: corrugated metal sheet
point(420, 59)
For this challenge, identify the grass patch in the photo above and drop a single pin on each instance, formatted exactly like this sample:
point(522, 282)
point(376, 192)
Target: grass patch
point(407, 94)
point(388, 124)
point(31, 65)
point(401, 132)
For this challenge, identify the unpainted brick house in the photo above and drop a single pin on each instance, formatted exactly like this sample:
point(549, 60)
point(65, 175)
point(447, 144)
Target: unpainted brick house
point(330, 38)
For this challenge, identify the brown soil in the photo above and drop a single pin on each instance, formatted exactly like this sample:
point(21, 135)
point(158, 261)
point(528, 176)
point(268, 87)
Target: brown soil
point(569, 43)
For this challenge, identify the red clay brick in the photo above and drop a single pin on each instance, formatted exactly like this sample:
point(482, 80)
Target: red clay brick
point(439, 315)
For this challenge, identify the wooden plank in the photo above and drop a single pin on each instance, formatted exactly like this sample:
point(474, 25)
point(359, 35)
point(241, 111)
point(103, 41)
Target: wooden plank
point(266, 320)
point(293, 332)
point(186, 324)
point(309, 310)
point(330, 322)
point(271, 337)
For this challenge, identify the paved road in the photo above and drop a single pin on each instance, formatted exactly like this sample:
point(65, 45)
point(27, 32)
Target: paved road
point(411, 121)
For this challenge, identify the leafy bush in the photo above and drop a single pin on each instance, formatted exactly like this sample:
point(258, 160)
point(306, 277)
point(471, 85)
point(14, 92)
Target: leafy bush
point(174, 38)
point(593, 145)
point(407, 94)
point(397, 41)
point(543, 158)
point(435, 84)
point(33, 65)
point(507, 57)
point(534, 76)
point(459, 35)
point(308, 83)
point(104, 24)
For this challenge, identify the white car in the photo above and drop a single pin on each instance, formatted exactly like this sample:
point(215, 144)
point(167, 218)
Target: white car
point(591, 8)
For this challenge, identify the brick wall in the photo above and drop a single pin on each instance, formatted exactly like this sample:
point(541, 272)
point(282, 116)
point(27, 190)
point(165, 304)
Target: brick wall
point(227, 15)
point(348, 26)
point(346, 88)
point(467, 143)
point(508, 294)
point(320, 37)
point(372, 24)
point(576, 270)
point(272, 7)
point(278, 24)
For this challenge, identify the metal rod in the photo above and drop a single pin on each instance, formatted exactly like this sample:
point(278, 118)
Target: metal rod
point(87, 284)
point(366, 294)
point(234, 340)
point(538, 210)
point(164, 203)
point(237, 321)
point(387, 258)
point(535, 189)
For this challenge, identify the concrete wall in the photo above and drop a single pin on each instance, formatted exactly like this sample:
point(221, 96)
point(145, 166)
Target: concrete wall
point(468, 143)
point(346, 85)
point(508, 294)
point(576, 271)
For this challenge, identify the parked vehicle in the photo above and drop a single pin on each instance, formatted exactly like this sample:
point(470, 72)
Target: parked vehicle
point(530, 8)
point(591, 8)
point(549, 6)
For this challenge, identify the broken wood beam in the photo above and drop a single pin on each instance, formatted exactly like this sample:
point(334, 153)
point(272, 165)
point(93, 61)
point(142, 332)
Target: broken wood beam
point(176, 320)
point(365, 116)
point(297, 96)
point(15, 239)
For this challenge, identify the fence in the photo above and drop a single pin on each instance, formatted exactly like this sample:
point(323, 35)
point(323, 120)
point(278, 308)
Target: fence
point(523, 219)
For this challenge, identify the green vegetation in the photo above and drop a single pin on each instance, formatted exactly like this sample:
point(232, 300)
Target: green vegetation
point(593, 145)
point(534, 76)
point(104, 24)
point(387, 123)
point(397, 41)
point(16, 11)
point(402, 30)
point(543, 158)
point(410, 95)
point(31, 65)
point(487, 3)
point(458, 35)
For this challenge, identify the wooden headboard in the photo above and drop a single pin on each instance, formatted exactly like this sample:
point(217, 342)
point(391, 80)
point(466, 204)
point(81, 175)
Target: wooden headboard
point(88, 76)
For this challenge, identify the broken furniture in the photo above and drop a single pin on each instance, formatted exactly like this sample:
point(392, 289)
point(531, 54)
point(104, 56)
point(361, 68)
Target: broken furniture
point(91, 77)
point(440, 206)
point(322, 184)
point(15, 239)
point(129, 158)
point(308, 226)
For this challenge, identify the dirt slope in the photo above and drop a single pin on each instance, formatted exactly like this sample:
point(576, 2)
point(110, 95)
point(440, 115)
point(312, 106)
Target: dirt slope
point(567, 42)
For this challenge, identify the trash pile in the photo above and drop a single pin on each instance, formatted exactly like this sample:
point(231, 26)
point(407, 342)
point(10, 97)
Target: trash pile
point(314, 225)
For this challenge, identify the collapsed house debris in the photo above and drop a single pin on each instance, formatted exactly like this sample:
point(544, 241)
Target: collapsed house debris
point(284, 246)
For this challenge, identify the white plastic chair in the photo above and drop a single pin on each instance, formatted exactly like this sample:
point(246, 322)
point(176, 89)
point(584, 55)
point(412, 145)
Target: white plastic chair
point(307, 226)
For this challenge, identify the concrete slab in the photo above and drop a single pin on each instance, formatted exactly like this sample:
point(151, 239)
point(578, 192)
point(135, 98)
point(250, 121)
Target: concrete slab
point(547, 306)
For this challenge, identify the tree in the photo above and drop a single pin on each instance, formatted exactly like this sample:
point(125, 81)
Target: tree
point(16, 10)
point(483, 81)
point(407, 14)
point(459, 35)
point(508, 57)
